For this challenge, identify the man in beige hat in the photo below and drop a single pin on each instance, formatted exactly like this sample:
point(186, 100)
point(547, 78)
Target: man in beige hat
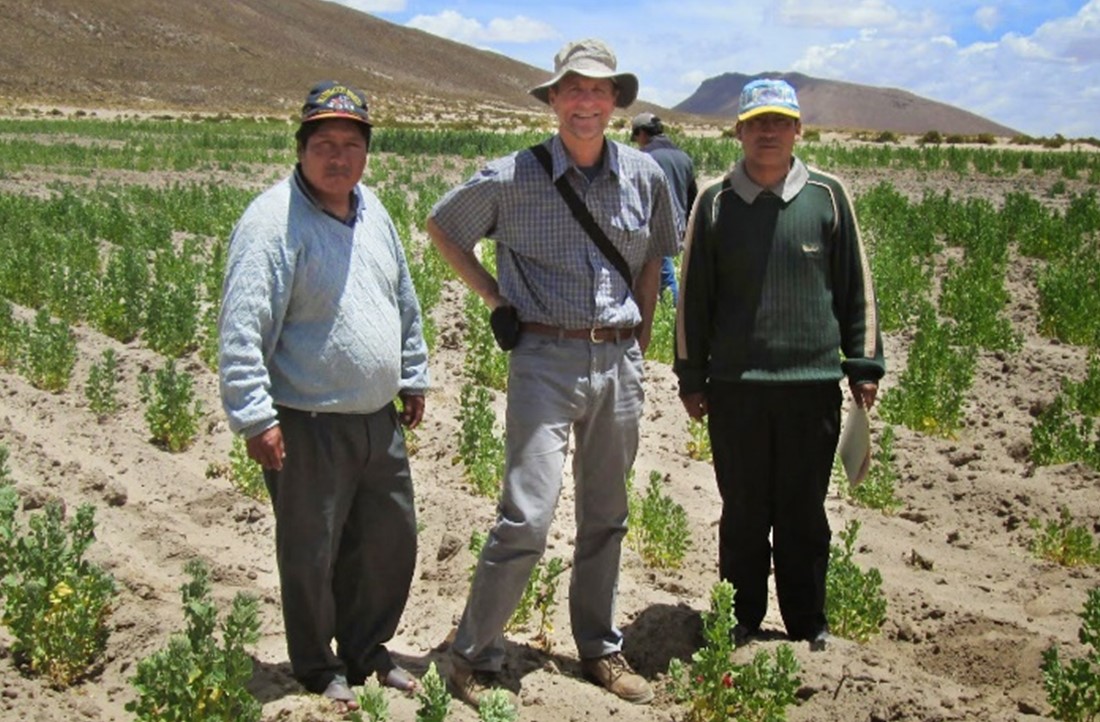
point(577, 317)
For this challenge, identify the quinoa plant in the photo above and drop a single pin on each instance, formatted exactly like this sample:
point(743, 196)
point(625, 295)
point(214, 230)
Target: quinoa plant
point(1063, 542)
point(715, 689)
point(101, 389)
point(1073, 685)
point(877, 491)
point(929, 396)
point(854, 601)
point(56, 602)
point(485, 363)
point(50, 353)
point(373, 706)
point(119, 299)
point(662, 341)
point(244, 473)
point(434, 699)
point(193, 679)
point(171, 409)
point(698, 447)
point(658, 526)
point(172, 308)
point(1061, 434)
point(481, 450)
point(12, 335)
point(540, 595)
point(496, 706)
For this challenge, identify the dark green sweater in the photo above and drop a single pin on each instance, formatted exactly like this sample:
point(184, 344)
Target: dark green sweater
point(777, 288)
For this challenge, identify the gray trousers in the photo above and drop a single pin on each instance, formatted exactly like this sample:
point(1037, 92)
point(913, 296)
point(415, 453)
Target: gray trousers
point(557, 386)
point(345, 538)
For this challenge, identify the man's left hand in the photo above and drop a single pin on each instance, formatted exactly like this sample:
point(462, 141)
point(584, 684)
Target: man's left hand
point(412, 410)
point(864, 393)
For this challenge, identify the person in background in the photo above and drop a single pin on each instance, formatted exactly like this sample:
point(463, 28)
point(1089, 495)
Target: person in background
point(648, 132)
point(578, 323)
point(320, 330)
point(776, 307)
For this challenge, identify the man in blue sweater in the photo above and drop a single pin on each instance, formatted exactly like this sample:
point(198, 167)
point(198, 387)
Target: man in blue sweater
point(320, 330)
point(648, 131)
point(776, 307)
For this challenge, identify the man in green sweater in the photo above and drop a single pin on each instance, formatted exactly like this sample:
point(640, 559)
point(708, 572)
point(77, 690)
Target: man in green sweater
point(776, 307)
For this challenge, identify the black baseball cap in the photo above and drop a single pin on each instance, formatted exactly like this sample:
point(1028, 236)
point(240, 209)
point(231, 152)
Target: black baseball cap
point(330, 99)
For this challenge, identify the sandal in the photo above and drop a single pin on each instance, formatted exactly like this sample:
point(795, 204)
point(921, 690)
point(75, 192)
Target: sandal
point(399, 679)
point(341, 695)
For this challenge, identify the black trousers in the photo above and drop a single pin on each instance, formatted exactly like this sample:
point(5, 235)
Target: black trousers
point(345, 538)
point(773, 451)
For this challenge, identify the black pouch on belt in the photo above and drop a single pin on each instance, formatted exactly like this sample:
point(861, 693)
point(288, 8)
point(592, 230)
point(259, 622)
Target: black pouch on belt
point(504, 321)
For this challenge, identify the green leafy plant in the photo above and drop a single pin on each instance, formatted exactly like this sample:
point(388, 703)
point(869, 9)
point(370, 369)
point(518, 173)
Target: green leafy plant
point(194, 679)
point(245, 474)
point(658, 526)
point(929, 396)
point(877, 491)
point(1073, 686)
point(373, 706)
point(101, 388)
point(496, 706)
point(56, 602)
point(485, 363)
point(540, 595)
point(855, 604)
point(715, 689)
point(1063, 542)
point(12, 334)
point(481, 450)
point(699, 441)
point(50, 353)
point(171, 409)
point(434, 699)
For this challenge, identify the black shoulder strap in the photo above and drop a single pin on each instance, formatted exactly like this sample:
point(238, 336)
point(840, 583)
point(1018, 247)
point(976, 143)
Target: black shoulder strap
point(584, 216)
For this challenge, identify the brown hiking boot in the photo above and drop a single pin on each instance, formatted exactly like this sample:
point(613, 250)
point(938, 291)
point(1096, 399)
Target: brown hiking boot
point(469, 685)
point(614, 674)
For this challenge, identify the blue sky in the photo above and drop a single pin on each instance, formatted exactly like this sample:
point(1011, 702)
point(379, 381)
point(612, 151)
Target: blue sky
point(1033, 65)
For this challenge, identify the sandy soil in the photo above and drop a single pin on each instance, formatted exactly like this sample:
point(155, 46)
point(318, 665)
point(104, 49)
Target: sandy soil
point(962, 641)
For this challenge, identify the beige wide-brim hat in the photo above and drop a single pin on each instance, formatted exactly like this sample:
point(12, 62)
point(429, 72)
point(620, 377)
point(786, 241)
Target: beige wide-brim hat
point(591, 59)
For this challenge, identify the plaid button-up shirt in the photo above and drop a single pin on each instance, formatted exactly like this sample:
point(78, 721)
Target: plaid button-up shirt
point(547, 265)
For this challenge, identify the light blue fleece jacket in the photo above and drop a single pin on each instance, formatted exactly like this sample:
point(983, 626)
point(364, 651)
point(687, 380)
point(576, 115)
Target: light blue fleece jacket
point(316, 314)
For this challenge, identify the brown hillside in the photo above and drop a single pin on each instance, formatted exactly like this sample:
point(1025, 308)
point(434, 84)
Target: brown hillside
point(243, 56)
point(835, 104)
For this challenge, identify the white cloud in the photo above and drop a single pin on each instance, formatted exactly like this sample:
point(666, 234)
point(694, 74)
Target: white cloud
point(987, 17)
point(826, 13)
point(454, 26)
point(373, 6)
point(1075, 37)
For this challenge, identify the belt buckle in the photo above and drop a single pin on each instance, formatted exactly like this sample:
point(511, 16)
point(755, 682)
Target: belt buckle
point(592, 336)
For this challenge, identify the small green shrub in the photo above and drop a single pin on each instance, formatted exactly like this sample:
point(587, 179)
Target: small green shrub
point(56, 602)
point(193, 679)
point(877, 491)
point(715, 689)
point(434, 699)
point(699, 441)
point(1063, 542)
point(1073, 687)
point(854, 601)
point(50, 353)
point(100, 390)
point(373, 706)
point(658, 526)
point(496, 706)
point(245, 474)
point(481, 449)
point(171, 409)
point(540, 595)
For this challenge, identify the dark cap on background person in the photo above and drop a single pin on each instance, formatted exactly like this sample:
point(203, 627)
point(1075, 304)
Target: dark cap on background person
point(767, 95)
point(589, 58)
point(648, 122)
point(330, 99)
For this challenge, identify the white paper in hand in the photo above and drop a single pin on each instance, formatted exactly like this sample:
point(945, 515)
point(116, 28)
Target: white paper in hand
point(855, 444)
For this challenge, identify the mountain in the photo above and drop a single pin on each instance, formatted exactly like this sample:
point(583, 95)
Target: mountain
point(260, 56)
point(253, 56)
point(836, 104)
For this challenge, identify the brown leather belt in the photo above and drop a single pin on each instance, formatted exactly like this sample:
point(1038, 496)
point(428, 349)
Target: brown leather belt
point(595, 335)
